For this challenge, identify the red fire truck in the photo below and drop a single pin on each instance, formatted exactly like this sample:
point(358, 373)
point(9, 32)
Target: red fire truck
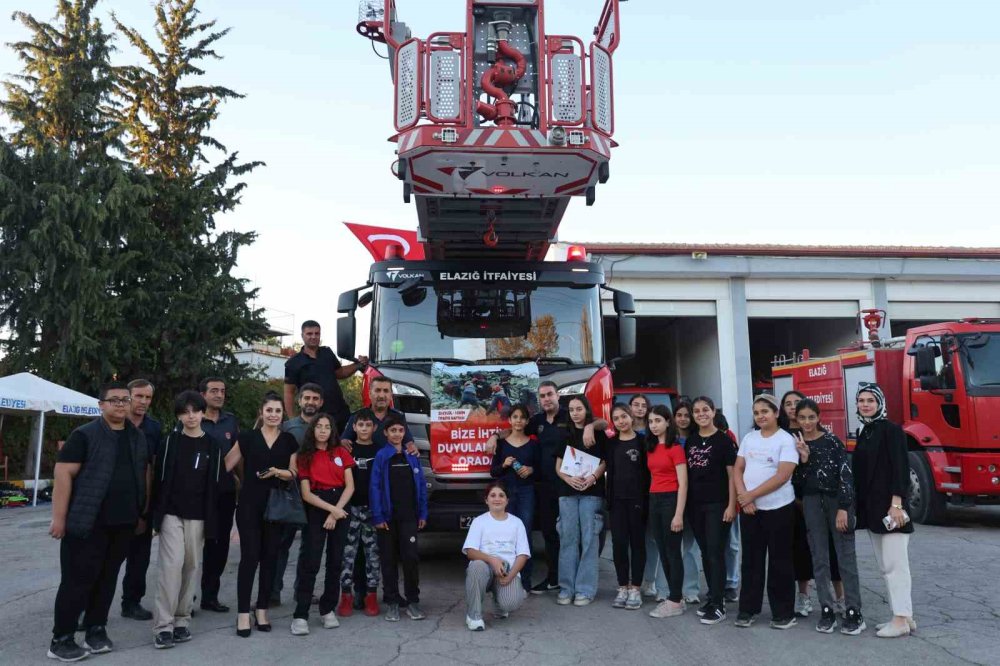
point(497, 128)
point(942, 385)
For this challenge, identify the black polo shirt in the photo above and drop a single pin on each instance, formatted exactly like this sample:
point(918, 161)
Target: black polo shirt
point(552, 440)
point(225, 431)
point(304, 369)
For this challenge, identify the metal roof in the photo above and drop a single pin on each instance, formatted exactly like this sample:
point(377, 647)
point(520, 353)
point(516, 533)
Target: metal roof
point(726, 249)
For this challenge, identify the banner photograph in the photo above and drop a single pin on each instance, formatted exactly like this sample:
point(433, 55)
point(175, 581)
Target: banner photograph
point(470, 403)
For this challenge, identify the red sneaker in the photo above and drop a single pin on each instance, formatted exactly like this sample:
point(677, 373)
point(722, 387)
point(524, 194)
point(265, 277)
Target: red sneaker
point(371, 604)
point(346, 606)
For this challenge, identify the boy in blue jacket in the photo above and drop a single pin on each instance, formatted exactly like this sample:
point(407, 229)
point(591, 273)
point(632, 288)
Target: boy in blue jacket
point(398, 502)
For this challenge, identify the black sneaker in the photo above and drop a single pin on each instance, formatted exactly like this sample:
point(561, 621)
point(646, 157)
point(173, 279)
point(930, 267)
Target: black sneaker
point(732, 595)
point(707, 606)
point(182, 635)
point(713, 615)
point(854, 622)
point(745, 619)
point(783, 622)
point(65, 648)
point(136, 612)
point(543, 587)
point(163, 640)
point(827, 621)
point(97, 641)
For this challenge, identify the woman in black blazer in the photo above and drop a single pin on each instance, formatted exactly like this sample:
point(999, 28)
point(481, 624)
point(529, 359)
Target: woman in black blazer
point(881, 488)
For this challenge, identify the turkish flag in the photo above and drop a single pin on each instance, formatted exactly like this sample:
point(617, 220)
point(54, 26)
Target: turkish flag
point(376, 239)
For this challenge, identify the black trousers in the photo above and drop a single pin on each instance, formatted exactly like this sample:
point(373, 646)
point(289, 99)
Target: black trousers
point(398, 546)
point(360, 574)
point(258, 554)
point(215, 553)
point(766, 538)
point(628, 540)
point(315, 540)
point(136, 565)
point(661, 512)
point(288, 533)
point(712, 535)
point(88, 576)
point(547, 498)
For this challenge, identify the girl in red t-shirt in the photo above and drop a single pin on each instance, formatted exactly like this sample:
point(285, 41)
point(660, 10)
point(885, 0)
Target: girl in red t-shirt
point(667, 497)
point(327, 485)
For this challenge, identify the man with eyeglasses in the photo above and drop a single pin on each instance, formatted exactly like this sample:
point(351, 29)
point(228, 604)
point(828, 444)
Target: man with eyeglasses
point(99, 501)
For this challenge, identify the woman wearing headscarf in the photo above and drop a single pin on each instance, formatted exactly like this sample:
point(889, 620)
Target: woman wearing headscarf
point(881, 487)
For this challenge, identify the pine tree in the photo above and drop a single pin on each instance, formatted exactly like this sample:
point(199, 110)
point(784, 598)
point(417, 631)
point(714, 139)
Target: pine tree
point(67, 206)
point(191, 310)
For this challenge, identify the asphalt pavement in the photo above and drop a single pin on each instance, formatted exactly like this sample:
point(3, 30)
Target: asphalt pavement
point(956, 597)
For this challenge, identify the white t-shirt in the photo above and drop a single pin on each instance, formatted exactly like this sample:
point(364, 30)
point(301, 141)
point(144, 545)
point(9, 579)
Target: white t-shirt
point(762, 455)
point(505, 539)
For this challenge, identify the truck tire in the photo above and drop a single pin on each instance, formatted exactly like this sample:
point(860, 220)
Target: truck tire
point(927, 505)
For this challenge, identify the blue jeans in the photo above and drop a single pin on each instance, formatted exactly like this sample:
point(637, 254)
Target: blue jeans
point(521, 503)
point(691, 554)
point(733, 557)
point(653, 573)
point(579, 528)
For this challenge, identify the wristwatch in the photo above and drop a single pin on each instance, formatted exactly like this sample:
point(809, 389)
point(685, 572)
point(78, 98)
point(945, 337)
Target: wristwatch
point(897, 506)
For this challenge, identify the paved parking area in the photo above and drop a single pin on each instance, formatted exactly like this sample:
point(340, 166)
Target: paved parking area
point(956, 572)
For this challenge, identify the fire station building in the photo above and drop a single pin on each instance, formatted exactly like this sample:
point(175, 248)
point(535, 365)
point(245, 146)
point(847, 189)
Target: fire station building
point(711, 319)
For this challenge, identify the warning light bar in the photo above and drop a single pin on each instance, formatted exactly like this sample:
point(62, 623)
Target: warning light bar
point(576, 253)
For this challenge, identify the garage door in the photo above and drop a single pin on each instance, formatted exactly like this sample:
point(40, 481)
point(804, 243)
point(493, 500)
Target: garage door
point(802, 309)
point(911, 310)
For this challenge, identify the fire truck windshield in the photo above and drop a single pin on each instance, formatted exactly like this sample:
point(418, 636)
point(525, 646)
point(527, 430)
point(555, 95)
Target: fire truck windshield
point(982, 359)
point(480, 325)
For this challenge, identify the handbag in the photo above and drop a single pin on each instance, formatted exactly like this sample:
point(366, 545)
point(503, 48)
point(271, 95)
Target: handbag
point(284, 505)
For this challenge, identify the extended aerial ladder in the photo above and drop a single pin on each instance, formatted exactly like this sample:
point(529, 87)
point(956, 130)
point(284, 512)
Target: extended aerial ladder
point(499, 126)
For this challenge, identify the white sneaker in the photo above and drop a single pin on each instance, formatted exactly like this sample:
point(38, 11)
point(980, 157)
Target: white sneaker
point(909, 621)
point(330, 620)
point(474, 625)
point(300, 627)
point(580, 600)
point(648, 589)
point(803, 606)
point(692, 601)
point(621, 598)
point(889, 630)
point(667, 609)
point(634, 600)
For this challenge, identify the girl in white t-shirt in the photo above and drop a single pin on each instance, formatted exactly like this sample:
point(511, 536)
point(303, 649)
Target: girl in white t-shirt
point(497, 548)
point(763, 473)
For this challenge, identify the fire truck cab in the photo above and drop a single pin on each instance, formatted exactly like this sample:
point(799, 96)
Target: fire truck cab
point(942, 385)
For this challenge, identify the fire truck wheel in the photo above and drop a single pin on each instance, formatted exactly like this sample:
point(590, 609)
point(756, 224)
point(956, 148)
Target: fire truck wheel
point(927, 505)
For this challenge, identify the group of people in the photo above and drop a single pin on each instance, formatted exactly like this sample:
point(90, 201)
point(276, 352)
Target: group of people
point(677, 483)
point(669, 483)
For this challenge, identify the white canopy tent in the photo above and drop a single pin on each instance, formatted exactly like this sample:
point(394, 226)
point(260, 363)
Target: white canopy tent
point(25, 393)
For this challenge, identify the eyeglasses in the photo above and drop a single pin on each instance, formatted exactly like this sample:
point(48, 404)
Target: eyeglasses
point(118, 402)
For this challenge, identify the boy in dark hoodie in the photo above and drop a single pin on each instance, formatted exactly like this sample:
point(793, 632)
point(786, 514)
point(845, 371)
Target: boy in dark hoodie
point(398, 502)
point(186, 478)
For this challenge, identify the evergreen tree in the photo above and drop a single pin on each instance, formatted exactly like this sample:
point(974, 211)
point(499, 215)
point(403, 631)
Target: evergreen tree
point(190, 309)
point(67, 206)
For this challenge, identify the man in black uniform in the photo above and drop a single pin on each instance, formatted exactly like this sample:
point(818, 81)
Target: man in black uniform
point(224, 429)
point(319, 365)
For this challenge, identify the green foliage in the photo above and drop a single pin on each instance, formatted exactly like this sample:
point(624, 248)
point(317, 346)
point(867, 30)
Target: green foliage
point(351, 387)
point(110, 266)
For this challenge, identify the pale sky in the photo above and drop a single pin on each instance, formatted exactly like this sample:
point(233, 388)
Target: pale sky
point(848, 122)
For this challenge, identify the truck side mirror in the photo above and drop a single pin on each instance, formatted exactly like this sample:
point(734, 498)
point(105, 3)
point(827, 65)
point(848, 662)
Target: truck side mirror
point(924, 358)
point(626, 338)
point(346, 334)
point(624, 303)
point(347, 302)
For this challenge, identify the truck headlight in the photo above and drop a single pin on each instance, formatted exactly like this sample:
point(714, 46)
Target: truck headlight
point(403, 390)
point(572, 389)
